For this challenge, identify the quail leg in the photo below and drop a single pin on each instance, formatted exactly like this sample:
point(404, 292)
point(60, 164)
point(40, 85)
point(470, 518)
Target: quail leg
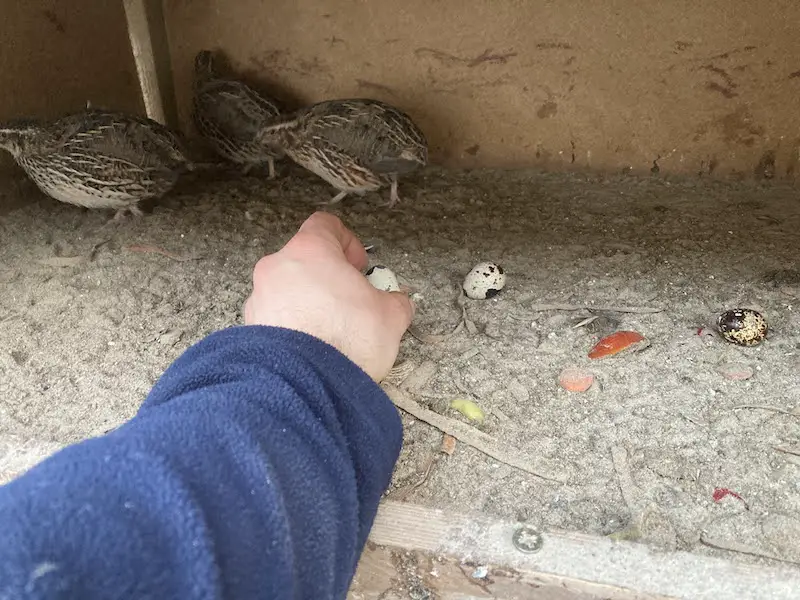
point(394, 197)
point(133, 210)
point(271, 163)
point(335, 200)
point(119, 216)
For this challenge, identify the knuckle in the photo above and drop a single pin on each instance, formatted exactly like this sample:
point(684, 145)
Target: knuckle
point(262, 267)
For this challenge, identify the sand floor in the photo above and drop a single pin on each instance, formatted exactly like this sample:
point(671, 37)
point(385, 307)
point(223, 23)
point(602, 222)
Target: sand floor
point(90, 315)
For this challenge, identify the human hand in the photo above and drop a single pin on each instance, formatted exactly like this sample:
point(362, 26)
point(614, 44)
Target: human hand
point(314, 285)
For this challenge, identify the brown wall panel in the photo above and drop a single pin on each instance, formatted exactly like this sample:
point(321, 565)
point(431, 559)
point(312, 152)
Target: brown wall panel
point(606, 85)
point(57, 55)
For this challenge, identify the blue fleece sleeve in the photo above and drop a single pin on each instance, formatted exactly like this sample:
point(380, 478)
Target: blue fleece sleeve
point(252, 470)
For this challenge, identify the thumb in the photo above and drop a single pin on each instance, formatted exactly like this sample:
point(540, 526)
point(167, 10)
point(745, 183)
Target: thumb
point(401, 310)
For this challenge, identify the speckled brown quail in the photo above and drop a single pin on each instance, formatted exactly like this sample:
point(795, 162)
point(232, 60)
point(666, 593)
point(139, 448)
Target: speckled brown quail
point(98, 158)
point(228, 114)
point(356, 145)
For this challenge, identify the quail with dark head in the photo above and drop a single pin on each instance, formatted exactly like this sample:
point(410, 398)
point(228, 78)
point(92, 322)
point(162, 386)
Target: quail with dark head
point(356, 145)
point(228, 114)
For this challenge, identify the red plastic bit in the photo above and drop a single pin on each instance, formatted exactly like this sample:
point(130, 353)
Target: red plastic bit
point(720, 493)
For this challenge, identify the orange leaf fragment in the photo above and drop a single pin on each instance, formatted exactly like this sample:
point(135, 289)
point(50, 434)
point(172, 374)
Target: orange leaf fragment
point(574, 379)
point(448, 444)
point(615, 343)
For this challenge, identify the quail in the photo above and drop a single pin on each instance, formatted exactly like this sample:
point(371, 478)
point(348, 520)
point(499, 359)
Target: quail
point(228, 114)
point(98, 158)
point(356, 145)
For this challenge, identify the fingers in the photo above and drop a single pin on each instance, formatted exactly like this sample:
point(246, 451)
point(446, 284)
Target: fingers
point(330, 228)
point(248, 310)
point(401, 310)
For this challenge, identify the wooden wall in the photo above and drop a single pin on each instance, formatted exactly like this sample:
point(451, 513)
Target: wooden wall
point(58, 55)
point(616, 85)
point(691, 87)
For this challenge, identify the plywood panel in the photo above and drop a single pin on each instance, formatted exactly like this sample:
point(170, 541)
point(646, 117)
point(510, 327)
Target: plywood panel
point(684, 86)
point(56, 56)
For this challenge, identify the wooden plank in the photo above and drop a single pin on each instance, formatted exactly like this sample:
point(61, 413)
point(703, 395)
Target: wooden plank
point(581, 565)
point(392, 574)
point(388, 573)
point(148, 38)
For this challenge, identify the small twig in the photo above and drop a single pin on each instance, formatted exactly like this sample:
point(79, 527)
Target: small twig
point(420, 376)
point(619, 457)
point(620, 309)
point(691, 420)
point(167, 253)
point(767, 407)
point(525, 318)
point(785, 450)
point(64, 261)
point(645, 517)
point(403, 492)
point(467, 434)
point(586, 321)
point(487, 56)
point(741, 549)
point(467, 322)
point(96, 247)
point(474, 351)
point(428, 338)
point(400, 372)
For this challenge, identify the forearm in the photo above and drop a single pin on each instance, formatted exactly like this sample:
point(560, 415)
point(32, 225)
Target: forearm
point(253, 469)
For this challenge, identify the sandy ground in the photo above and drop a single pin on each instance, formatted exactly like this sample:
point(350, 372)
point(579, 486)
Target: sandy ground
point(90, 316)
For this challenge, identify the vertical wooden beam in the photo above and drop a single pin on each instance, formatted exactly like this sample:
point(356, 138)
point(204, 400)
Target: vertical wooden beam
point(148, 38)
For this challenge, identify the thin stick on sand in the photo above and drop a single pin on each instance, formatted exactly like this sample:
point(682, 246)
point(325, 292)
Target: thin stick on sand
point(643, 310)
point(466, 434)
point(776, 409)
point(740, 549)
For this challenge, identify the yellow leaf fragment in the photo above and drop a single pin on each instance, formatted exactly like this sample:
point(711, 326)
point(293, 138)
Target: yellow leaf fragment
point(468, 408)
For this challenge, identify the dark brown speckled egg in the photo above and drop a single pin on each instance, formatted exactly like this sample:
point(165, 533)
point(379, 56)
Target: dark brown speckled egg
point(742, 326)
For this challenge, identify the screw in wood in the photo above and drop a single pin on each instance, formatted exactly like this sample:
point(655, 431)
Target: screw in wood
point(527, 539)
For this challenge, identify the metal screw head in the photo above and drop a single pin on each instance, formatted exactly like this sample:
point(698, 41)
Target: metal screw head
point(527, 539)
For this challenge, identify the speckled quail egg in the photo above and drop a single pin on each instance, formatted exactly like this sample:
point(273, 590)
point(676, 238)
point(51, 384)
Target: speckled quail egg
point(383, 278)
point(485, 280)
point(742, 326)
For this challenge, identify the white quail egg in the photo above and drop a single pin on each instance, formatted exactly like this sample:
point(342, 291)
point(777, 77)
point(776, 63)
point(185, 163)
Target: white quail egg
point(485, 280)
point(382, 278)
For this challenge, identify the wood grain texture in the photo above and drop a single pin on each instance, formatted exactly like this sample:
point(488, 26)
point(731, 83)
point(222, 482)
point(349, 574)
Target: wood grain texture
point(408, 542)
point(149, 45)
